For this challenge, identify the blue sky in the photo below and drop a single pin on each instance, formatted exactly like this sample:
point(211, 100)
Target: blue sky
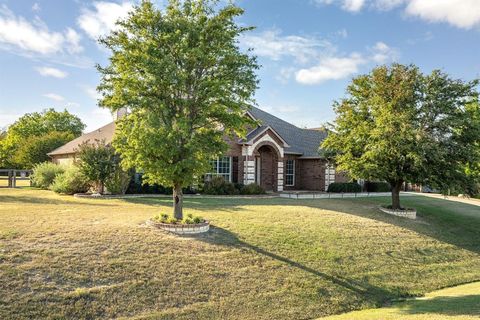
point(308, 49)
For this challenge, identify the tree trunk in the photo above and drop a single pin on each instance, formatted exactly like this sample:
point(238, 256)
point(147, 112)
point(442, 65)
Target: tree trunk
point(178, 202)
point(101, 187)
point(396, 187)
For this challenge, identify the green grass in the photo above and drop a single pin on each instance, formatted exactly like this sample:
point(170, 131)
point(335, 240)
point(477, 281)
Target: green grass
point(461, 302)
point(62, 257)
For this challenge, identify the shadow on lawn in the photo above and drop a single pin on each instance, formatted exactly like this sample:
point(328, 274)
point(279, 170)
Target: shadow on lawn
point(39, 200)
point(435, 218)
point(364, 290)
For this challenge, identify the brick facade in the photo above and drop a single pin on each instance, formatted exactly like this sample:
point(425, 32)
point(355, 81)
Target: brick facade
point(310, 173)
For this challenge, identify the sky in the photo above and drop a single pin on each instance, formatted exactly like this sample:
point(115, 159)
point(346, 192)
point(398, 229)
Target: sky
point(309, 50)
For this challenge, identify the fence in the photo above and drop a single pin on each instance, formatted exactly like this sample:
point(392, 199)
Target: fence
point(13, 178)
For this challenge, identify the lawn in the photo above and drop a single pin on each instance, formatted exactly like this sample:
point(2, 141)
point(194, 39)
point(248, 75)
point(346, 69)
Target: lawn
point(460, 302)
point(62, 257)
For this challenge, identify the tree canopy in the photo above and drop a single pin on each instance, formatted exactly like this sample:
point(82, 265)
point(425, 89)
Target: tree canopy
point(397, 124)
point(24, 135)
point(186, 83)
point(34, 149)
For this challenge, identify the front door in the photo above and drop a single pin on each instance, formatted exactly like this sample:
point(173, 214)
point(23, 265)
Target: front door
point(267, 169)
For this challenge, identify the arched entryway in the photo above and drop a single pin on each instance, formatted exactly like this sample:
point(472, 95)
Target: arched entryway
point(266, 167)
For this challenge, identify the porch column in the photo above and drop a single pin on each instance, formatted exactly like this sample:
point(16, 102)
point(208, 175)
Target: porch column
point(248, 165)
point(280, 176)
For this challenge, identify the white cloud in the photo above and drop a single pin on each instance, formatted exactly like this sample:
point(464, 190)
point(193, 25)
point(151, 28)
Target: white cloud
point(348, 5)
point(463, 14)
point(460, 13)
point(273, 45)
point(73, 39)
point(33, 36)
point(100, 20)
point(332, 68)
point(54, 96)
point(382, 53)
point(52, 72)
point(36, 7)
point(353, 5)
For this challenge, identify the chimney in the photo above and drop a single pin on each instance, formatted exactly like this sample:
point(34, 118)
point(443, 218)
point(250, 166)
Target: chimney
point(120, 113)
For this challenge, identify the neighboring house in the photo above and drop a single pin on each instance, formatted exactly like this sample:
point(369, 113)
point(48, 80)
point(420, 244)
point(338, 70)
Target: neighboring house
point(276, 155)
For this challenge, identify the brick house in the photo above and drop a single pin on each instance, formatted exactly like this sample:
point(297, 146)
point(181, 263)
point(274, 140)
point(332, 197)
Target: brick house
point(276, 155)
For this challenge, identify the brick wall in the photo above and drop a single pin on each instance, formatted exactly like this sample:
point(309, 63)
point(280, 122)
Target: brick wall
point(311, 175)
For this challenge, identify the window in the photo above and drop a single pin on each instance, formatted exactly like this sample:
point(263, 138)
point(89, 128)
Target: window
point(221, 167)
point(290, 173)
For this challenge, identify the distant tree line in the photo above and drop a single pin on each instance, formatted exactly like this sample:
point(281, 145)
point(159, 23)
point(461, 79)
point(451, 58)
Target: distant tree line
point(28, 140)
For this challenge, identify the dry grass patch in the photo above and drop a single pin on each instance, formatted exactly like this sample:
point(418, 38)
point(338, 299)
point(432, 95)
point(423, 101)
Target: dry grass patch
point(62, 257)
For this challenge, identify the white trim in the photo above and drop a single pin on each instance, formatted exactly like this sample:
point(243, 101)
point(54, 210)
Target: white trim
point(269, 139)
point(285, 144)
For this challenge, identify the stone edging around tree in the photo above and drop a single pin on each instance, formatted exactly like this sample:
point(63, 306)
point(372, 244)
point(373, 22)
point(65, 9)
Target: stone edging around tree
point(408, 213)
point(183, 229)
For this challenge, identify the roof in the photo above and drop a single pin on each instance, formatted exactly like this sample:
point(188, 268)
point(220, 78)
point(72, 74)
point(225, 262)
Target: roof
point(104, 133)
point(260, 130)
point(304, 142)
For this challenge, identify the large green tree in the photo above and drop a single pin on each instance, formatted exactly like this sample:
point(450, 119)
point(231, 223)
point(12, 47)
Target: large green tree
point(34, 149)
point(186, 83)
point(36, 124)
point(398, 124)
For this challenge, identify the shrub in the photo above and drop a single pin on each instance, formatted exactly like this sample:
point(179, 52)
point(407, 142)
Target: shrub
point(252, 188)
point(189, 219)
point(44, 174)
point(98, 162)
point(136, 187)
point(71, 181)
point(377, 186)
point(338, 187)
point(118, 182)
point(218, 186)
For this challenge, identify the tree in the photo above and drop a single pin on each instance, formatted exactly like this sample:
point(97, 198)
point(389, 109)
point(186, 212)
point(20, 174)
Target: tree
point(97, 162)
point(397, 125)
point(36, 124)
point(186, 84)
point(34, 149)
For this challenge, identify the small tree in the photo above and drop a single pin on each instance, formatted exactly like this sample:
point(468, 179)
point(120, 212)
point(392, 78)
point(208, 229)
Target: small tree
point(399, 125)
point(97, 162)
point(187, 85)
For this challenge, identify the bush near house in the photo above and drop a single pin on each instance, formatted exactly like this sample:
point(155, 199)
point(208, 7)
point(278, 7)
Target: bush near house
point(119, 181)
point(137, 186)
point(218, 186)
point(252, 189)
point(372, 186)
point(71, 181)
point(44, 174)
point(339, 187)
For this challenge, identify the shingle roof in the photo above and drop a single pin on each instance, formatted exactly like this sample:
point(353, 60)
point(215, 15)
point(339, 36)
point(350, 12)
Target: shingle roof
point(305, 142)
point(104, 133)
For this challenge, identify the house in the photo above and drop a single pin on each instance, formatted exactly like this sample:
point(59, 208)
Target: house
point(276, 155)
